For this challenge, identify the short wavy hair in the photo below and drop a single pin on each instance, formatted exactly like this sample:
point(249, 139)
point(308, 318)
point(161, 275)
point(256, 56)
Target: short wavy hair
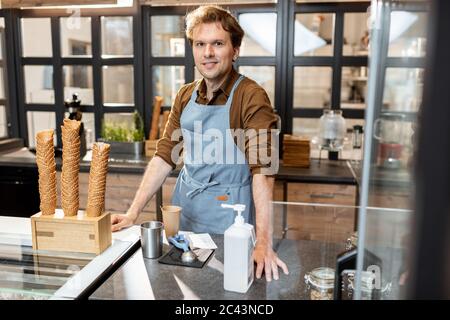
point(210, 14)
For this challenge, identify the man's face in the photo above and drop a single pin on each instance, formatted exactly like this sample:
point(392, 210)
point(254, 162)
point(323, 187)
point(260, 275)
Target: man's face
point(213, 51)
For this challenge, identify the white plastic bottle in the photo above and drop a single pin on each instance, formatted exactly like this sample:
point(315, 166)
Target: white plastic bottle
point(239, 242)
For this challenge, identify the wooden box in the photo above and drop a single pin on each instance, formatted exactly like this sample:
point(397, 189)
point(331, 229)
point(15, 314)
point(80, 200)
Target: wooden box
point(150, 147)
point(74, 234)
point(296, 151)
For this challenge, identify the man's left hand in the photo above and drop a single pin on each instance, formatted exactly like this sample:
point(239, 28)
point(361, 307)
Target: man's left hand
point(267, 260)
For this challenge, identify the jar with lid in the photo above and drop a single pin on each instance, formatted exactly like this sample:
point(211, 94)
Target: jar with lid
point(332, 130)
point(351, 241)
point(367, 285)
point(320, 283)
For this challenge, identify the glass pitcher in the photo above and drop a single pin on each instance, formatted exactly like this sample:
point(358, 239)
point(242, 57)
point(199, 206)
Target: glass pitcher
point(332, 130)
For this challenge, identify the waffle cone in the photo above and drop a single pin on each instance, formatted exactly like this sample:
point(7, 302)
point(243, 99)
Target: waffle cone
point(97, 179)
point(45, 159)
point(70, 167)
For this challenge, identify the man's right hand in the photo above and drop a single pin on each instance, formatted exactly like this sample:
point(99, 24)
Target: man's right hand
point(120, 221)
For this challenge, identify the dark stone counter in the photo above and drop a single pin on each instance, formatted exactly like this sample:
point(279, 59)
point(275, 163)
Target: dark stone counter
point(325, 171)
point(141, 278)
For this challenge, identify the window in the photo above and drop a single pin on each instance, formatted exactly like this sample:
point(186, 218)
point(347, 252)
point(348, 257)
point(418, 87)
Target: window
point(167, 36)
point(403, 89)
point(39, 84)
point(354, 87)
point(356, 34)
point(93, 56)
point(167, 80)
point(117, 36)
point(36, 37)
point(312, 87)
point(38, 121)
point(407, 34)
point(79, 79)
point(314, 34)
point(76, 37)
point(329, 65)
point(260, 34)
point(118, 85)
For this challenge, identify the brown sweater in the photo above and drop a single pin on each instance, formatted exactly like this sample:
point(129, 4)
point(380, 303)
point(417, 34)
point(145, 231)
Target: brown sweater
point(250, 109)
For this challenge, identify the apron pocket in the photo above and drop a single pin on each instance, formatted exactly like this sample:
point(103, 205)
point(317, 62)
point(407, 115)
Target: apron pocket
point(203, 212)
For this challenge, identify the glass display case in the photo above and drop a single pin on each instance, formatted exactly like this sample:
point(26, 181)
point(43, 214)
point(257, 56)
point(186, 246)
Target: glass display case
point(393, 101)
point(27, 274)
point(324, 245)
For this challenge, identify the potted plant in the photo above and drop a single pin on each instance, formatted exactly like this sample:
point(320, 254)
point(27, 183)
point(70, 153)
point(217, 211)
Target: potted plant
point(126, 136)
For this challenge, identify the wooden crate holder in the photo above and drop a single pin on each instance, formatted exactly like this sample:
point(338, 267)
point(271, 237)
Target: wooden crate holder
point(74, 234)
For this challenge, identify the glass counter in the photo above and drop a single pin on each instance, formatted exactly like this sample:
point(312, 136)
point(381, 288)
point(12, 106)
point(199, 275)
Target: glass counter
point(27, 274)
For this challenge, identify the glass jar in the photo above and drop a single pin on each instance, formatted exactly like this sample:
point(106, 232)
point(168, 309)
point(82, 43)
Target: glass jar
point(332, 130)
point(351, 241)
point(320, 283)
point(348, 284)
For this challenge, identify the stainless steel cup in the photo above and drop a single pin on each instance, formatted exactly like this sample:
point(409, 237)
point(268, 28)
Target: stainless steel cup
point(152, 239)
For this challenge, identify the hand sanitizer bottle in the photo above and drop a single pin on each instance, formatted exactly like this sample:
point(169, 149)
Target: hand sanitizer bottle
point(239, 241)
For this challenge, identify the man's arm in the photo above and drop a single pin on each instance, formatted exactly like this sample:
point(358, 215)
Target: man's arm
point(155, 174)
point(266, 259)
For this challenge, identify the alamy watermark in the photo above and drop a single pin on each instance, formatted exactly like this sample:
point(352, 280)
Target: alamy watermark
point(254, 146)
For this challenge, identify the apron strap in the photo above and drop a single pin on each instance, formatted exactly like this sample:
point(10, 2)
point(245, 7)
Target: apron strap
point(200, 189)
point(200, 186)
point(235, 85)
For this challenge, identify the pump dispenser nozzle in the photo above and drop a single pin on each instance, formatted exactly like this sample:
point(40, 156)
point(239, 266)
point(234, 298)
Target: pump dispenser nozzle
point(239, 208)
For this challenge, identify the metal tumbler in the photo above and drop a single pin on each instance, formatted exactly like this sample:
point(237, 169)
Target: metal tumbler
point(152, 239)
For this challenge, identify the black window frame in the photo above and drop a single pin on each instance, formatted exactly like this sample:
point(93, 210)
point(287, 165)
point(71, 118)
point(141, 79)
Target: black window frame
point(9, 76)
point(336, 62)
point(284, 61)
point(96, 61)
point(150, 61)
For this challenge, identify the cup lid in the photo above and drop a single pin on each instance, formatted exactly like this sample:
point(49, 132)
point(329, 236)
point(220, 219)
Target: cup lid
point(321, 277)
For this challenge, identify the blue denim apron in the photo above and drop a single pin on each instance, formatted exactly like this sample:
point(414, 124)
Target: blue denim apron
point(215, 170)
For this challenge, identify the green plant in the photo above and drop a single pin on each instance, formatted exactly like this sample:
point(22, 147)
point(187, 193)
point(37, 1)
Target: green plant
point(122, 131)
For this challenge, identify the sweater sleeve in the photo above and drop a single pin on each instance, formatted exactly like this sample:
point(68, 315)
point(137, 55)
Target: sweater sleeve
point(261, 137)
point(169, 147)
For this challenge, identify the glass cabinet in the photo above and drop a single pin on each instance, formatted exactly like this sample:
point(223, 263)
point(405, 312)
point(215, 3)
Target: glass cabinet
point(395, 84)
point(27, 274)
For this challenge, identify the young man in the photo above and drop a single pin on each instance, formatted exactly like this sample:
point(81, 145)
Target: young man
point(235, 113)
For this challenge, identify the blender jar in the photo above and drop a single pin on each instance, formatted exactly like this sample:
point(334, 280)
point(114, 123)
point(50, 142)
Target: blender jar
point(388, 130)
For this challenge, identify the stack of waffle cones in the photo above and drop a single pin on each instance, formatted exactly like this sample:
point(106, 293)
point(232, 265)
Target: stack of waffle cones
point(70, 167)
point(45, 159)
point(97, 179)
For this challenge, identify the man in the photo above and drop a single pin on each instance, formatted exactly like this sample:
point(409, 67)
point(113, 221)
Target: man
point(223, 100)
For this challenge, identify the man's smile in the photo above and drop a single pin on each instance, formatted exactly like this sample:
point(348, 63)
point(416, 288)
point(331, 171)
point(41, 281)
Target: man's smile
point(209, 64)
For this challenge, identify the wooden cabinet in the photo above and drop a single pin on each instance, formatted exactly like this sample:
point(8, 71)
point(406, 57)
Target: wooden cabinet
point(304, 222)
point(309, 222)
point(390, 197)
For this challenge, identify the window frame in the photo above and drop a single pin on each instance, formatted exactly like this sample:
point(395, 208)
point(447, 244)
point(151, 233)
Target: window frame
point(336, 62)
point(96, 61)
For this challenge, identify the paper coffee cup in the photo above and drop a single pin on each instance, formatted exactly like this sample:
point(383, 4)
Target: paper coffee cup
point(171, 219)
